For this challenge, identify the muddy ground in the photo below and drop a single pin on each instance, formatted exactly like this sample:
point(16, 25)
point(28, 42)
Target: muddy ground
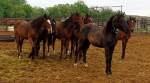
point(134, 69)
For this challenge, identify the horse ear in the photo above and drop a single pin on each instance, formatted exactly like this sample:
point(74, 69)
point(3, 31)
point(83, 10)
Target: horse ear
point(45, 16)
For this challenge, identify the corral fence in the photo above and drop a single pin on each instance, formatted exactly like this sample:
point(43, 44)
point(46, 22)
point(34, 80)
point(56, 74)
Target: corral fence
point(143, 25)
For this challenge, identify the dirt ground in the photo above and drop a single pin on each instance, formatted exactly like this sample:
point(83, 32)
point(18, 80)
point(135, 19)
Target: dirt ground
point(134, 69)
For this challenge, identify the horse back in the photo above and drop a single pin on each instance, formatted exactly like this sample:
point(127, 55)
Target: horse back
point(21, 29)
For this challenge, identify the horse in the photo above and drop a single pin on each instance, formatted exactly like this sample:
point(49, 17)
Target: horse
point(45, 36)
point(101, 37)
point(65, 30)
point(123, 37)
point(87, 19)
point(31, 30)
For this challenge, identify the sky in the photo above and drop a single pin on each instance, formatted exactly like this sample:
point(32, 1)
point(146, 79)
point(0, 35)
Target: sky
point(130, 7)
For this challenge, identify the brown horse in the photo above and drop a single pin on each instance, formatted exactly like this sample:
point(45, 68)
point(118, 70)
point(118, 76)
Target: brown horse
point(87, 19)
point(123, 37)
point(31, 30)
point(101, 37)
point(65, 30)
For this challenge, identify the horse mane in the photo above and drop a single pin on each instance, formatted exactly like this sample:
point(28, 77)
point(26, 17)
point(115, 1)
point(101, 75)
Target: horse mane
point(37, 23)
point(109, 25)
point(69, 20)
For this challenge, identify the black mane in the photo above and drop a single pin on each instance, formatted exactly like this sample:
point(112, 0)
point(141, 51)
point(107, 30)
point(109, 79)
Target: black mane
point(37, 23)
point(110, 27)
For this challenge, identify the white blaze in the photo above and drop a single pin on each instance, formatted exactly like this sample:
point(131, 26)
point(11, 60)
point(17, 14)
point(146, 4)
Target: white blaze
point(50, 24)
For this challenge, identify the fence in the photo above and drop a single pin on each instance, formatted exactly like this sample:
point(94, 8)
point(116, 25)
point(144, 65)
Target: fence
point(143, 25)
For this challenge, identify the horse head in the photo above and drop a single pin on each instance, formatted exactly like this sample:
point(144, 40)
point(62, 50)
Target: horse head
point(47, 23)
point(77, 18)
point(132, 23)
point(119, 22)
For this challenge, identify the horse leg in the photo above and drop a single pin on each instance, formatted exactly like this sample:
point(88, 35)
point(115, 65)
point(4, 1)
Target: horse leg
point(77, 51)
point(48, 48)
point(124, 44)
point(66, 48)
point(72, 48)
point(62, 48)
point(48, 43)
point(34, 49)
point(76, 55)
point(53, 43)
point(18, 45)
point(21, 42)
point(108, 57)
point(44, 42)
point(85, 48)
point(38, 48)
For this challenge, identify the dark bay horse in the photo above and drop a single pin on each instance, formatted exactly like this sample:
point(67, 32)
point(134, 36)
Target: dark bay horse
point(101, 37)
point(123, 37)
point(45, 36)
point(65, 30)
point(31, 30)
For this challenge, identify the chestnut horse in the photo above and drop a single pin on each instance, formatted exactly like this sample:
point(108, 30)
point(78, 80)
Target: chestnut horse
point(101, 37)
point(123, 37)
point(31, 30)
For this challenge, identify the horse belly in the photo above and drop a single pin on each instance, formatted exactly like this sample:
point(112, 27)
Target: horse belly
point(96, 40)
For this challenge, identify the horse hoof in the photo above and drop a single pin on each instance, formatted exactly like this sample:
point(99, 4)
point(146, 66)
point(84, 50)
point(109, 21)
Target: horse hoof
point(75, 64)
point(108, 73)
point(86, 65)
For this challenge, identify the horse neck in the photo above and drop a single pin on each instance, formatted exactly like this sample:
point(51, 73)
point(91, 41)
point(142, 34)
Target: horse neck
point(109, 28)
point(36, 24)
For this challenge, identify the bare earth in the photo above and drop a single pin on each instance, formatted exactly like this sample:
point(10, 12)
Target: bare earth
point(134, 69)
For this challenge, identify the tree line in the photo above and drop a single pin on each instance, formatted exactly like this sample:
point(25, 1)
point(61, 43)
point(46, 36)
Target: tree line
point(20, 9)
